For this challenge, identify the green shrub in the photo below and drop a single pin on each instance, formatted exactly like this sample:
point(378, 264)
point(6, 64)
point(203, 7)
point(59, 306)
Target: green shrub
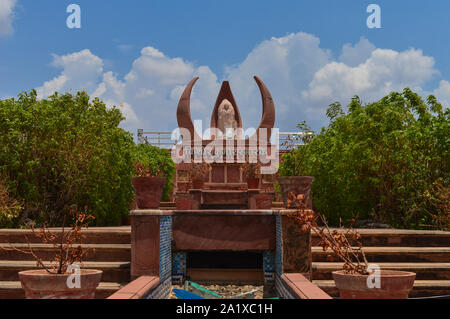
point(64, 151)
point(158, 162)
point(9, 207)
point(379, 160)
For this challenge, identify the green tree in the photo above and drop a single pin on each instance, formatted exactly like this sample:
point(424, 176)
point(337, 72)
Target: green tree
point(380, 160)
point(64, 151)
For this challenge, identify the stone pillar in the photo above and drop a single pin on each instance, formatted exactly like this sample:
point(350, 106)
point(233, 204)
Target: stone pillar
point(151, 233)
point(297, 255)
point(293, 248)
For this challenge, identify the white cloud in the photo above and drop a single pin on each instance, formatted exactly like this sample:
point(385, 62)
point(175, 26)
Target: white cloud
point(302, 77)
point(383, 72)
point(286, 65)
point(357, 54)
point(81, 70)
point(442, 93)
point(152, 88)
point(6, 16)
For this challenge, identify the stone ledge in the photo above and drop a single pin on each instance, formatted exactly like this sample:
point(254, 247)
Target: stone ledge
point(284, 212)
point(151, 212)
point(170, 212)
point(226, 212)
point(137, 289)
point(302, 288)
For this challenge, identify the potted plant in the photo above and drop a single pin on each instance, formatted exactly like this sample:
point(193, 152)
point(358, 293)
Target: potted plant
point(291, 174)
point(63, 277)
point(153, 170)
point(357, 279)
point(251, 172)
point(197, 174)
point(148, 184)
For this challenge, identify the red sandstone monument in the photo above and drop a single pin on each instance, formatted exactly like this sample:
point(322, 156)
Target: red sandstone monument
point(224, 230)
point(225, 184)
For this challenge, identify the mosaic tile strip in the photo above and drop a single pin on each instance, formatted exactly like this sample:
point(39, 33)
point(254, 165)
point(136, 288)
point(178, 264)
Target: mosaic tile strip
point(269, 267)
point(281, 289)
point(178, 267)
point(279, 246)
point(162, 291)
point(165, 248)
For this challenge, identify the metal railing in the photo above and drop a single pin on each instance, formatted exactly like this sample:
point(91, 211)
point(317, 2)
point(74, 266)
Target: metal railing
point(159, 139)
point(287, 141)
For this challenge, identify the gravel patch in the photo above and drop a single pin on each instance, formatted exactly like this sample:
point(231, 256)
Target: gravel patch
point(227, 290)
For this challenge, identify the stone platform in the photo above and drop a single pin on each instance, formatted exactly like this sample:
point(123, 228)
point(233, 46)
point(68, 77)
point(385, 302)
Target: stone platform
point(433, 272)
point(270, 233)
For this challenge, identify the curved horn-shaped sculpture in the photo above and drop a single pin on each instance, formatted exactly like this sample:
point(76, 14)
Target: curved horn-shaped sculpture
point(268, 114)
point(184, 110)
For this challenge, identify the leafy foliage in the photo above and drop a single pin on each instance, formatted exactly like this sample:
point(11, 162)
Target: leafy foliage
point(379, 160)
point(66, 150)
point(9, 207)
point(149, 160)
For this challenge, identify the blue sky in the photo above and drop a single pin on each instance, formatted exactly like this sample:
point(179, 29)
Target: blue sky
point(140, 54)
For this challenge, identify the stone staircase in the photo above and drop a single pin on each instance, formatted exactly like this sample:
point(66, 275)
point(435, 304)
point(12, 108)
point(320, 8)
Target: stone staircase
point(110, 252)
point(219, 195)
point(426, 253)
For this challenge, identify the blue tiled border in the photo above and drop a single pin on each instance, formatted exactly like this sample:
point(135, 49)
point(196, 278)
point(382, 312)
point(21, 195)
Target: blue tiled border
point(178, 267)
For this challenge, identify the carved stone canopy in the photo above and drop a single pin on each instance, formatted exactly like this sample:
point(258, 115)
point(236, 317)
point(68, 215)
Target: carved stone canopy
point(184, 113)
point(225, 94)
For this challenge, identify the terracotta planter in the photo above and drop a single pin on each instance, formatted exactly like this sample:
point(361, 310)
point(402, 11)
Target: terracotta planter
point(297, 185)
point(148, 191)
point(393, 285)
point(253, 183)
point(198, 183)
point(183, 201)
point(39, 284)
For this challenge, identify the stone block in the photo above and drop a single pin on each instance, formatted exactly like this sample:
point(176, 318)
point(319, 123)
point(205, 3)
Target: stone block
point(145, 245)
point(296, 248)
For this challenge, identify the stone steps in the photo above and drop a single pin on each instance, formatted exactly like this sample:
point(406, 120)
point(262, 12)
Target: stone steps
point(98, 252)
point(392, 254)
point(425, 252)
point(13, 290)
point(424, 271)
point(400, 237)
point(422, 288)
point(94, 235)
point(225, 186)
point(112, 271)
point(110, 252)
point(370, 237)
point(221, 197)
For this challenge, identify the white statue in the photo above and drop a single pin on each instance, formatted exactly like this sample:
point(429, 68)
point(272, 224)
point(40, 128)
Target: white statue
point(226, 119)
